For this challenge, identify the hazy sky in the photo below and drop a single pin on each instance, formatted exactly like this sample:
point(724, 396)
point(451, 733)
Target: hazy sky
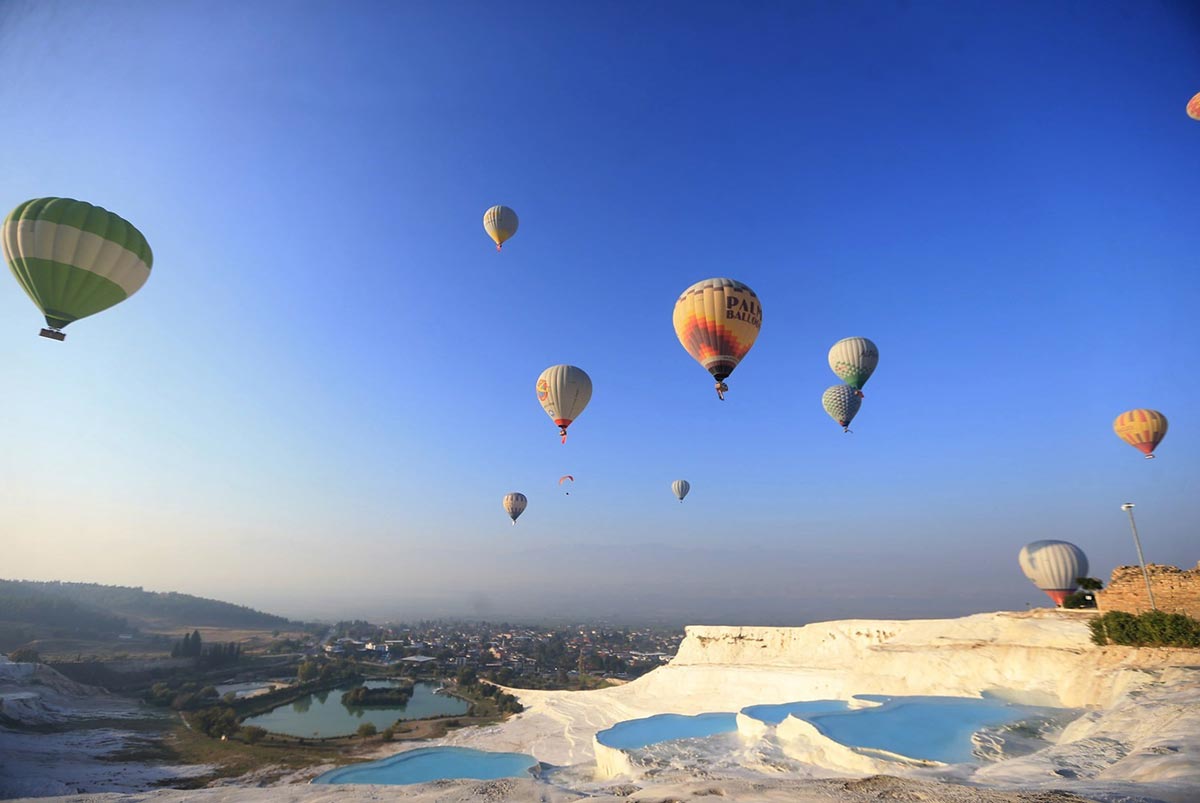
point(317, 401)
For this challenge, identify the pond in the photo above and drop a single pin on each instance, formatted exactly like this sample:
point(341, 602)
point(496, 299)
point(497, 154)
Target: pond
point(774, 714)
point(932, 728)
point(322, 714)
point(433, 764)
point(635, 733)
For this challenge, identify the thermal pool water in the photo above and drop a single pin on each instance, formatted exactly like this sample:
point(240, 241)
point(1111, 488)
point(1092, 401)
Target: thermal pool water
point(434, 764)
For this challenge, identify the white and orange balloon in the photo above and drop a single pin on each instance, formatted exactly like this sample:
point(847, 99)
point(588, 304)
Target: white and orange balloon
point(1053, 566)
point(563, 391)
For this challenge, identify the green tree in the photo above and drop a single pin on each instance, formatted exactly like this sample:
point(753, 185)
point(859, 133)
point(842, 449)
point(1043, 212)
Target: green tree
point(366, 729)
point(1079, 599)
point(252, 734)
point(197, 643)
point(216, 722)
point(307, 671)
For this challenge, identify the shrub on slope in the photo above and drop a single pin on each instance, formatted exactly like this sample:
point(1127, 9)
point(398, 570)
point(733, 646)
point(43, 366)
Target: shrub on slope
point(1150, 629)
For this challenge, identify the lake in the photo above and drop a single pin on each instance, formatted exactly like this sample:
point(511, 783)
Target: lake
point(636, 733)
point(322, 714)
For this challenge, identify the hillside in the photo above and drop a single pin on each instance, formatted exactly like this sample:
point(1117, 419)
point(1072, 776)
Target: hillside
point(98, 610)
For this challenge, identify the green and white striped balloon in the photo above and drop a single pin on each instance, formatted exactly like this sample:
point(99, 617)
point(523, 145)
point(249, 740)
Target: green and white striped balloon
point(74, 259)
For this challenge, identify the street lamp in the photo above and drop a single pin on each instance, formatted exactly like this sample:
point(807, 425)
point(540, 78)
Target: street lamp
point(1128, 508)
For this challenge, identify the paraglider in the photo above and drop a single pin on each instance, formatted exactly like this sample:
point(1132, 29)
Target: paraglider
point(842, 403)
point(500, 223)
point(564, 391)
point(514, 505)
point(1054, 567)
point(681, 488)
point(564, 478)
point(73, 259)
point(1193, 107)
point(717, 321)
point(1141, 429)
point(853, 359)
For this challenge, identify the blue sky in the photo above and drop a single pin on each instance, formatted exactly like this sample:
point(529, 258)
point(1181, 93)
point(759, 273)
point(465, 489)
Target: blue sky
point(319, 398)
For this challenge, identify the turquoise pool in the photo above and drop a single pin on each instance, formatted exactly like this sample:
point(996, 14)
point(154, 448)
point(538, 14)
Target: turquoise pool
point(433, 764)
point(774, 714)
point(635, 733)
point(931, 728)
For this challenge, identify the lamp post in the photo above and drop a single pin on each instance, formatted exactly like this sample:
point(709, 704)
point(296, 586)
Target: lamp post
point(1128, 508)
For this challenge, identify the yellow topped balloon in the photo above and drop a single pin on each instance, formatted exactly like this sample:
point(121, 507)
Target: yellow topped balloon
point(717, 321)
point(500, 223)
point(1141, 429)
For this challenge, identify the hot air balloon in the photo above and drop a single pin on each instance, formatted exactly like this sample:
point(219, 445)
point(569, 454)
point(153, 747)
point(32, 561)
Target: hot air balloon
point(717, 321)
point(842, 403)
point(564, 478)
point(564, 391)
point(514, 505)
point(1141, 429)
point(500, 223)
point(1053, 566)
point(853, 359)
point(681, 488)
point(73, 259)
point(1193, 107)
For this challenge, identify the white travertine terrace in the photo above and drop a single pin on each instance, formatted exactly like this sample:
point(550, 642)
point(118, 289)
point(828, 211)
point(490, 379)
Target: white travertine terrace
point(1138, 739)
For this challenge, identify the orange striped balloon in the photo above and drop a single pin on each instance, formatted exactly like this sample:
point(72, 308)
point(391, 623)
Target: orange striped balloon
point(717, 321)
point(1141, 429)
point(1193, 107)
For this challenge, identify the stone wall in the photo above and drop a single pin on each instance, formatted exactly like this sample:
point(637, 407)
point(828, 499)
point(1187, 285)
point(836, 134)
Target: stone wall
point(1175, 590)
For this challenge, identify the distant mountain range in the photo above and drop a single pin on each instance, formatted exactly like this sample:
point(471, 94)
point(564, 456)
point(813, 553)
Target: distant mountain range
point(100, 609)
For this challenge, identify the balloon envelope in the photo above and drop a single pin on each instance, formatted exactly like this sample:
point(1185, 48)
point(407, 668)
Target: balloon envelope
point(842, 403)
point(717, 321)
point(1193, 107)
point(563, 391)
point(500, 223)
point(514, 505)
point(681, 488)
point(1054, 567)
point(853, 359)
point(72, 258)
point(1141, 429)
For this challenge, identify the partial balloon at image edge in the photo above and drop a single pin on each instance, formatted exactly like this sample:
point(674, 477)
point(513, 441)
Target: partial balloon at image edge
point(39, 230)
